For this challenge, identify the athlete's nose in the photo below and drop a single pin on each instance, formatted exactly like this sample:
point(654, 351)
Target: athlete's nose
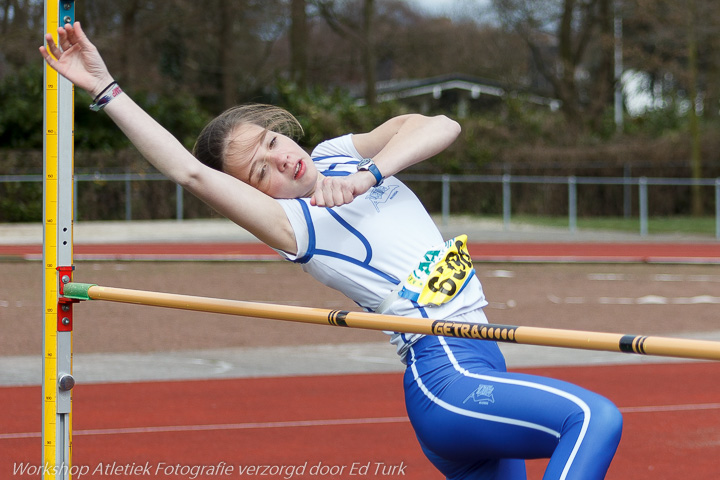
point(281, 160)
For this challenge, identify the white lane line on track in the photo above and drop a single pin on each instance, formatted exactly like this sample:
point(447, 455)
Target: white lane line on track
point(660, 277)
point(671, 408)
point(15, 303)
point(500, 273)
point(686, 278)
point(229, 426)
point(604, 277)
point(322, 423)
point(645, 300)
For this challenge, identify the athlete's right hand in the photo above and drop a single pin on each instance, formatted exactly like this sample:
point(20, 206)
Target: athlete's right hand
point(76, 59)
point(336, 191)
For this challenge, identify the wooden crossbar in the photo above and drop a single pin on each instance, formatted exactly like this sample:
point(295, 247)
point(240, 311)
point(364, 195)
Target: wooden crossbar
point(585, 340)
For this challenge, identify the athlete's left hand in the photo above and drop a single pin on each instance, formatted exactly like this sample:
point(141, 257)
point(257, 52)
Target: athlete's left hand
point(336, 191)
point(77, 59)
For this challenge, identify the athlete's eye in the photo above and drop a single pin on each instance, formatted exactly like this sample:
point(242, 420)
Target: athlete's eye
point(272, 142)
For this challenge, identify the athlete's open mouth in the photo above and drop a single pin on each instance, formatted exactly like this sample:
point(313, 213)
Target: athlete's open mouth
point(298, 169)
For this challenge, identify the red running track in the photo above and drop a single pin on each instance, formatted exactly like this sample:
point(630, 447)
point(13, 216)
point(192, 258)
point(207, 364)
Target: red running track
point(341, 427)
point(530, 252)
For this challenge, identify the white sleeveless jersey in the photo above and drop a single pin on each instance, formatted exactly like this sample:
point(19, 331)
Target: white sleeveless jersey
point(365, 249)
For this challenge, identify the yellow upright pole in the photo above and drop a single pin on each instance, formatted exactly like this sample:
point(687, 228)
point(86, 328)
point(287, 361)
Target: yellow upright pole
point(57, 257)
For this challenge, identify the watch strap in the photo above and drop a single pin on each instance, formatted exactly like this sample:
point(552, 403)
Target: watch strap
point(370, 166)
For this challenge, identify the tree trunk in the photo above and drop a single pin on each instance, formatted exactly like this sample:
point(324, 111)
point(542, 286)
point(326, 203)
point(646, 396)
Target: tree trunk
point(368, 52)
point(298, 43)
point(693, 123)
point(227, 77)
point(129, 17)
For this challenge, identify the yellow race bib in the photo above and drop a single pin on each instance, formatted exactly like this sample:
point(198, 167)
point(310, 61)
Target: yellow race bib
point(441, 274)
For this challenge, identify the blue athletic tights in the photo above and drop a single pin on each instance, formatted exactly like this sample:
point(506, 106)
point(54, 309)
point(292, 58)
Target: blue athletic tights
point(474, 420)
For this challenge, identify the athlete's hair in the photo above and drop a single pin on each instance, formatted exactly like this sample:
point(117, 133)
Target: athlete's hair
point(211, 146)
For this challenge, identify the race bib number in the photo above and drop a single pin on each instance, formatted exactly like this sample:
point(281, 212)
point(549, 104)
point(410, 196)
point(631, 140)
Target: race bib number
point(441, 274)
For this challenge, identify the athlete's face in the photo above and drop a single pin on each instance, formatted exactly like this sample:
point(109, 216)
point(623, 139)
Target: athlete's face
point(274, 163)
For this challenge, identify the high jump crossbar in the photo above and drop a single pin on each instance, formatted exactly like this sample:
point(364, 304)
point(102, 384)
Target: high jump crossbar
point(613, 342)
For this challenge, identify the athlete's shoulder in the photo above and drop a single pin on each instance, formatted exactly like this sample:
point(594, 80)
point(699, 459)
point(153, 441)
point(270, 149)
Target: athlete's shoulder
point(336, 156)
point(340, 147)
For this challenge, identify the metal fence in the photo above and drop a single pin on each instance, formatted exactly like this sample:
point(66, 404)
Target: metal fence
point(639, 184)
point(572, 182)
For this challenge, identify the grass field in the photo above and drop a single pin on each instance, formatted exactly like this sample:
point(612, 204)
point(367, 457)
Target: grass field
point(680, 225)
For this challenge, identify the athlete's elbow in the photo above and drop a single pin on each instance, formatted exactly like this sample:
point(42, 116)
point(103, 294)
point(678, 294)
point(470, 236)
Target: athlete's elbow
point(190, 177)
point(453, 126)
point(450, 128)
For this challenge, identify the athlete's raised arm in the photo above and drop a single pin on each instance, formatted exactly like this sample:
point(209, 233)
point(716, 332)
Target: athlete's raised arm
point(77, 59)
point(406, 140)
point(393, 146)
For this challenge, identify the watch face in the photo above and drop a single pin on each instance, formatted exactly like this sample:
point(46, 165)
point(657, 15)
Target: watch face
point(364, 163)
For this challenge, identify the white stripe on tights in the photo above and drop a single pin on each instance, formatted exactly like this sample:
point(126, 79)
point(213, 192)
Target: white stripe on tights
point(470, 413)
point(585, 408)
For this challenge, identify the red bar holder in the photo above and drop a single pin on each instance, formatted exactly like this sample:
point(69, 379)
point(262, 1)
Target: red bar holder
point(65, 305)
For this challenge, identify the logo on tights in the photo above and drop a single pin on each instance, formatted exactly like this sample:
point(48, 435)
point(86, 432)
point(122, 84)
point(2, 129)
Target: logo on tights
point(483, 395)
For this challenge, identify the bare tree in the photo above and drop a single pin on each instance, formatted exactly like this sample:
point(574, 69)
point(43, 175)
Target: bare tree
point(129, 12)
point(226, 17)
point(693, 124)
point(299, 42)
point(676, 45)
point(344, 24)
point(571, 45)
point(368, 51)
point(20, 22)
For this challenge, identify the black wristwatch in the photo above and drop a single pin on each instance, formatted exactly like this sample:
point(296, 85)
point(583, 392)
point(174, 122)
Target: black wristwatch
point(367, 164)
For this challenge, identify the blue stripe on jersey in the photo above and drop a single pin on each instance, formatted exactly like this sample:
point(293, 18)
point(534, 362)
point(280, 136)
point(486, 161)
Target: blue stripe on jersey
point(472, 274)
point(357, 262)
point(317, 159)
point(330, 170)
point(312, 250)
point(420, 308)
point(355, 232)
point(331, 173)
point(311, 234)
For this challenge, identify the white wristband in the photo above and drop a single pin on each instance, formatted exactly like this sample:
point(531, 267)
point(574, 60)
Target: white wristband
point(110, 92)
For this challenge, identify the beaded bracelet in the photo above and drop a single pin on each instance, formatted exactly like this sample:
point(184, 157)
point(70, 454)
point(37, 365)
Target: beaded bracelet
point(110, 92)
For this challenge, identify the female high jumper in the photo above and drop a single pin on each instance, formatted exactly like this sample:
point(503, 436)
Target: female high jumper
point(342, 215)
